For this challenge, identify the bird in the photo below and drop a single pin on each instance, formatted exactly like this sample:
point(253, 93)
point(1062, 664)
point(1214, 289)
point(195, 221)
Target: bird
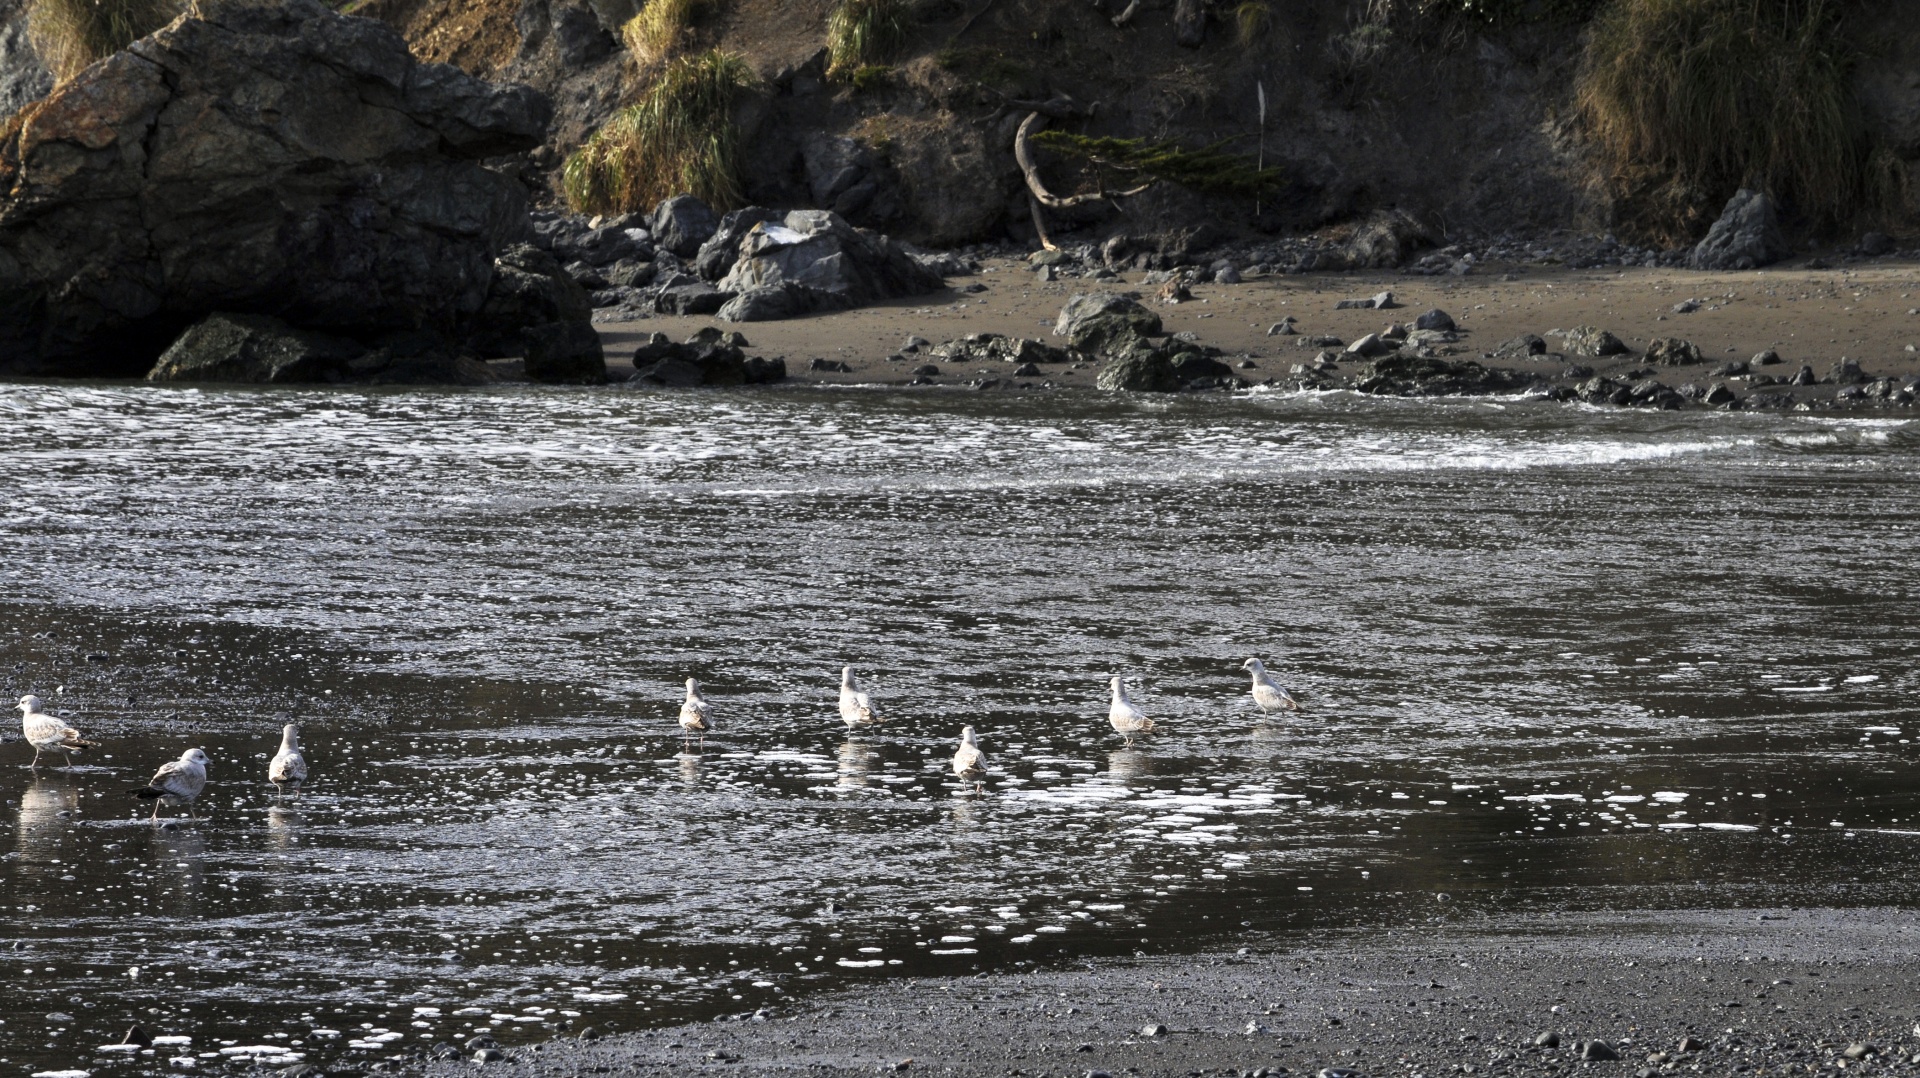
point(45, 732)
point(1267, 692)
point(856, 707)
point(1127, 719)
point(969, 763)
point(289, 764)
point(696, 715)
point(179, 781)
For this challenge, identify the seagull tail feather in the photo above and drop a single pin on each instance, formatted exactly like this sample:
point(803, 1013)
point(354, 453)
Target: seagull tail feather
point(79, 743)
point(147, 793)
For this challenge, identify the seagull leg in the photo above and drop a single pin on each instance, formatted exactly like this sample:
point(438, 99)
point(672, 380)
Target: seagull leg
point(156, 811)
point(69, 761)
point(35, 765)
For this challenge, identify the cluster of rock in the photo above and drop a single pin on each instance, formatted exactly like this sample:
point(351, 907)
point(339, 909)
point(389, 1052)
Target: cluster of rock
point(275, 192)
point(708, 358)
point(750, 265)
point(1137, 353)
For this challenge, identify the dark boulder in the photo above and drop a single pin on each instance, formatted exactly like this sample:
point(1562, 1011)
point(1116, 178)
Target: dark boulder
point(1847, 372)
point(1139, 370)
point(1673, 352)
point(682, 223)
point(23, 78)
point(1592, 341)
point(1747, 236)
point(254, 348)
point(821, 251)
point(1411, 375)
point(772, 303)
point(994, 347)
point(1105, 323)
point(1440, 320)
point(708, 358)
point(528, 289)
point(564, 352)
point(267, 158)
point(685, 294)
point(1384, 241)
point(722, 249)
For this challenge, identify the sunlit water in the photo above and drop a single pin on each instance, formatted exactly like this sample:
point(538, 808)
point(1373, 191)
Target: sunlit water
point(1551, 657)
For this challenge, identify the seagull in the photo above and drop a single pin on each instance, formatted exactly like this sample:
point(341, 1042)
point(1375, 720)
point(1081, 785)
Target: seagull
point(1127, 719)
point(289, 764)
point(44, 732)
point(970, 762)
point(1267, 692)
point(696, 715)
point(856, 707)
point(180, 781)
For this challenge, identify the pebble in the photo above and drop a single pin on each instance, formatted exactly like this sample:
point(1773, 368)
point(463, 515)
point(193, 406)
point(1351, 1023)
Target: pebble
point(926, 370)
point(489, 1055)
point(1860, 1050)
point(1435, 319)
point(1548, 1039)
point(1026, 370)
point(1153, 1030)
point(915, 344)
point(830, 365)
point(1597, 1050)
point(1686, 306)
point(1691, 1044)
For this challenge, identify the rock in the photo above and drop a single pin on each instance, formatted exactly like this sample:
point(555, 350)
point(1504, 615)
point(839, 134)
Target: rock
point(1548, 1039)
point(1875, 244)
point(774, 303)
point(994, 347)
point(1174, 291)
point(708, 358)
point(944, 263)
point(1653, 394)
point(717, 254)
point(763, 371)
point(629, 273)
point(1803, 377)
point(567, 352)
point(1859, 1050)
point(528, 289)
point(1747, 236)
point(1153, 1030)
point(926, 370)
point(829, 366)
point(590, 1033)
point(914, 344)
point(1140, 370)
point(1105, 322)
point(1732, 368)
point(1718, 393)
point(1673, 352)
point(1691, 1044)
point(308, 1070)
point(1440, 320)
point(1284, 327)
point(1028, 370)
point(683, 294)
point(1404, 375)
point(1847, 372)
point(1369, 346)
point(348, 197)
point(1386, 240)
point(681, 224)
point(475, 1044)
point(1597, 1050)
point(1767, 358)
point(1227, 275)
point(1379, 301)
point(489, 1055)
point(1527, 344)
point(1686, 306)
point(254, 348)
point(23, 78)
point(821, 251)
point(1589, 341)
point(1191, 367)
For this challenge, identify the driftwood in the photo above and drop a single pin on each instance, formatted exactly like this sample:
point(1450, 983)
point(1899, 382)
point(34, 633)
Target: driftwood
point(1189, 23)
point(1037, 194)
point(1125, 17)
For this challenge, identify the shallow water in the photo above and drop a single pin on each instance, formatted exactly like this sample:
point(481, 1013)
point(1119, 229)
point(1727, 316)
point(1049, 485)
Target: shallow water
point(1552, 658)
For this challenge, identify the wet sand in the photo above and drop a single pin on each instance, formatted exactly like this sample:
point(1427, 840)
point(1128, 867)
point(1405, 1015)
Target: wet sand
point(1757, 991)
point(1869, 312)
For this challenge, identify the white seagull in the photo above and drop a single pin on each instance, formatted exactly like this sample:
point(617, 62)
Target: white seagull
point(1268, 693)
point(1127, 719)
point(696, 715)
point(180, 782)
point(856, 707)
point(970, 764)
point(45, 732)
point(289, 764)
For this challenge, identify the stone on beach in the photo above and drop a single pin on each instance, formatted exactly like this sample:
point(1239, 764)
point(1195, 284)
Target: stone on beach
point(1746, 236)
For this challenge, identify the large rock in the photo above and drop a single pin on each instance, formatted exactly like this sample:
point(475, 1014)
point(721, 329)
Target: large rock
point(819, 250)
point(1746, 236)
point(1385, 240)
point(1405, 375)
point(529, 291)
point(994, 347)
point(254, 348)
point(1105, 322)
point(708, 358)
point(23, 78)
point(682, 223)
point(1139, 370)
point(271, 158)
point(721, 250)
point(564, 352)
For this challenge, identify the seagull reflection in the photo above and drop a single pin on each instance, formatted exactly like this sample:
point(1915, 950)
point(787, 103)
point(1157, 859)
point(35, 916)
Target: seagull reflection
point(690, 768)
point(856, 765)
point(281, 822)
point(178, 873)
point(1129, 765)
point(42, 828)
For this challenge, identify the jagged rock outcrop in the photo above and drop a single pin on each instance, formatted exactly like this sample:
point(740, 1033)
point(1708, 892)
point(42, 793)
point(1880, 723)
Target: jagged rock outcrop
point(1746, 236)
point(23, 78)
point(818, 250)
point(256, 158)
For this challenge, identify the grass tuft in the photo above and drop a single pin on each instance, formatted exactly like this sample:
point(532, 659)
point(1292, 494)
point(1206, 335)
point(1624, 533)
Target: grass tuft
point(1251, 21)
point(864, 33)
point(70, 34)
point(1210, 171)
point(680, 137)
point(1720, 94)
point(663, 27)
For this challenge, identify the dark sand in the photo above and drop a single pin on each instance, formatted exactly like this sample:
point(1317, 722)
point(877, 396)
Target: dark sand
point(1812, 317)
point(1765, 992)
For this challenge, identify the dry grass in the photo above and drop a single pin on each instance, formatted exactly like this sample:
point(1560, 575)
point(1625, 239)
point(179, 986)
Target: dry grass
point(664, 27)
point(679, 138)
point(1251, 21)
point(864, 33)
point(1720, 94)
point(70, 34)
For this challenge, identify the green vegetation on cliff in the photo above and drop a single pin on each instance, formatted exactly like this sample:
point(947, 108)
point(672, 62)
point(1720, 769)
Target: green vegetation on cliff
point(1713, 95)
point(679, 138)
point(864, 33)
point(70, 34)
point(663, 26)
point(1210, 170)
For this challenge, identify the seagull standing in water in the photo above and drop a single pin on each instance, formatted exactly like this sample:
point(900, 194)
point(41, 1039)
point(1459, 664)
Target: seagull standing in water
point(856, 707)
point(696, 715)
point(1127, 719)
point(45, 732)
point(180, 782)
point(1268, 693)
point(970, 764)
point(289, 764)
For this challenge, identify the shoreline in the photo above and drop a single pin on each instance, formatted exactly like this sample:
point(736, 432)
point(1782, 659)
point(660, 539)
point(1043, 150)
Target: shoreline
point(1754, 990)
